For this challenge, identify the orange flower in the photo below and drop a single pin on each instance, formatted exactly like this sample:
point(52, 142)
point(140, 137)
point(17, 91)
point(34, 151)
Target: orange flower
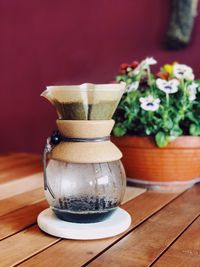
point(163, 75)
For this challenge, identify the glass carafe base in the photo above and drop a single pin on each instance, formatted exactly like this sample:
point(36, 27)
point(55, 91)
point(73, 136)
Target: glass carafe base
point(85, 217)
point(85, 208)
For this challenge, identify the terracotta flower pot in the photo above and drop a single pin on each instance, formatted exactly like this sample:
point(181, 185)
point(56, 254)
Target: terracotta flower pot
point(143, 160)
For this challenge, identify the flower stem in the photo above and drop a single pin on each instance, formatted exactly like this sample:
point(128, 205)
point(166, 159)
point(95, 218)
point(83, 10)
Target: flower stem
point(149, 77)
point(150, 117)
point(167, 99)
point(183, 86)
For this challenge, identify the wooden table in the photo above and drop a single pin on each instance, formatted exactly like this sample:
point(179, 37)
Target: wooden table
point(165, 229)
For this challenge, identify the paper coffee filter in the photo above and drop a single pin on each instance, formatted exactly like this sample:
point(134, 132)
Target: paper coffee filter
point(86, 93)
point(65, 94)
point(95, 97)
point(86, 101)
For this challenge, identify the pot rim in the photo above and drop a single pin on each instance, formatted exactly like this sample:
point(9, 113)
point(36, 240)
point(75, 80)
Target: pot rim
point(181, 142)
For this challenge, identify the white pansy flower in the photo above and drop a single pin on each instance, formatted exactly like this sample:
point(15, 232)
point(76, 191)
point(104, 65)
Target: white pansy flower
point(192, 90)
point(150, 61)
point(189, 76)
point(182, 71)
point(132, 87)
point(149, 103)
point(144, 64)
point(169, 87)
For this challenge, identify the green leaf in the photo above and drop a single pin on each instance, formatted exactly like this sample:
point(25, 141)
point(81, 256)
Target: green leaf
point(191, 116)
point(169, 123)
point(148, 131)
point(120, 78)
point(119, 130)
point(161, 139)
point(194, 129)
point(129, 81)
point(176, 131)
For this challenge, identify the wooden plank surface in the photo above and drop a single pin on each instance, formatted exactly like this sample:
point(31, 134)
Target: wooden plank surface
point(185, 252)
point(132, 192)
point(15, 162)
point(19, 201)
point(147, 242)
point(21, 171)
point(5, 157)
point(19, 212)
point(21, 185)
point(79, 252)
point(164, 229)
point(17, 220)
point(23, 244)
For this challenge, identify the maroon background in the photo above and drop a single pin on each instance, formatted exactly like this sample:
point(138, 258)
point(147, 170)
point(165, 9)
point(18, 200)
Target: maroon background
point(47, 41)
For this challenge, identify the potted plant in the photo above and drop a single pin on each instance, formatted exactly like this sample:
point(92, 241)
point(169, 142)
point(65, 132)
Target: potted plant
point(158, 124)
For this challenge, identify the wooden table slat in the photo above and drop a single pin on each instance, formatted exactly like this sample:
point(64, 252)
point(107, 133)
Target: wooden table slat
point(19, 201)
point(25, 170)
point(17, 220)
point(185, 252)
point(17, 162)
point(21, 185)
point(4, 157)
point(147, 242)
point(132, 192)
point(24, 244)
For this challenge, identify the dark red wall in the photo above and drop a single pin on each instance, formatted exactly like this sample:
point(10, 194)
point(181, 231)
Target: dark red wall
point(43, 42)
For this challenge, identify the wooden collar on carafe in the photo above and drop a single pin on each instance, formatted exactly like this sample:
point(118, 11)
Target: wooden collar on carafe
point(85, 152)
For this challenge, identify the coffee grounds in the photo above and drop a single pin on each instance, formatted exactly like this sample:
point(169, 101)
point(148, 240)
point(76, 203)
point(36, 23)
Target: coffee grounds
point(85, 209)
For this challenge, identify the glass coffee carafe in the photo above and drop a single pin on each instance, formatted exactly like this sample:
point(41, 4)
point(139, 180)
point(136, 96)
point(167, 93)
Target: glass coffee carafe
point(84, 178)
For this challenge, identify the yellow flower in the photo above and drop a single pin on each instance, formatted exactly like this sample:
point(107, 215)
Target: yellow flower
point(168, 68)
